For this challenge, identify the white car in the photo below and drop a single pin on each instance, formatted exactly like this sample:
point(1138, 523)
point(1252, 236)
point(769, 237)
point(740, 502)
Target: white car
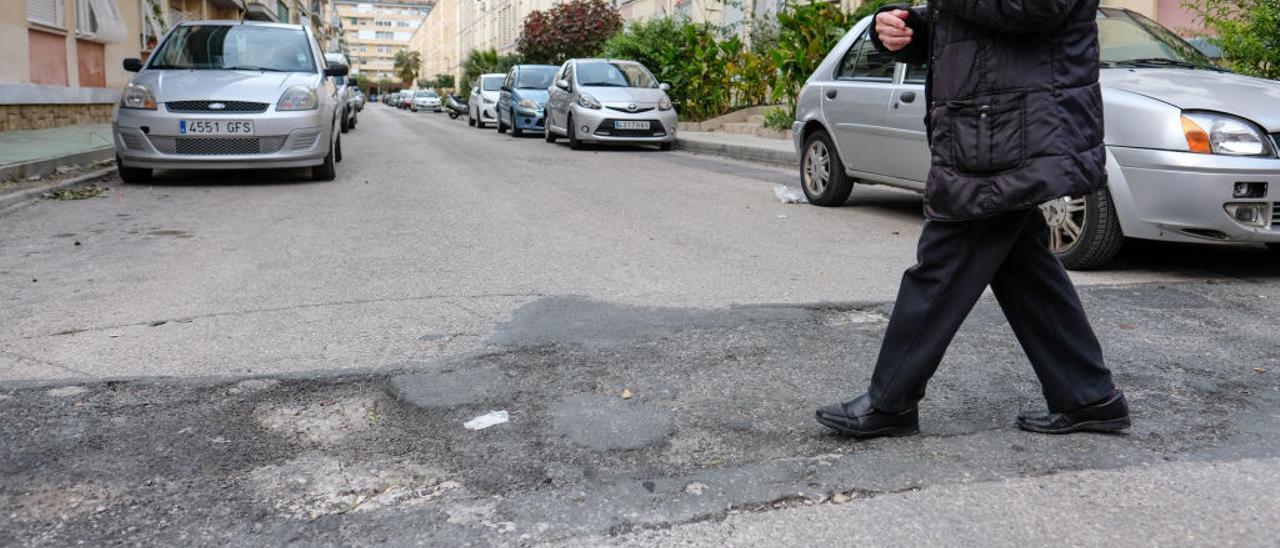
point(426, 99)
point(230, 95)
point(483, 106)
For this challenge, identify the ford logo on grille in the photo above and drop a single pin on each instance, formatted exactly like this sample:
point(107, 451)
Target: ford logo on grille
point(631, 107)
point(216, 106)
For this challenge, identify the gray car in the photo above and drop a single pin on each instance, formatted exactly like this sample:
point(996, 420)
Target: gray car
point(230, 95)
point(1191, 148)
point(609, 101)
point(346, 93)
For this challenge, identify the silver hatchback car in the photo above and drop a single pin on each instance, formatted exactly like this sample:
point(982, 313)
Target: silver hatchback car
point(1192, 149)
point(609, 101)
point(230, 95)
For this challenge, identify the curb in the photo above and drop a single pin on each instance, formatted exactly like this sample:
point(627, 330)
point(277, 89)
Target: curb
point(46, 166)
point(15, 199)
point(768, 156)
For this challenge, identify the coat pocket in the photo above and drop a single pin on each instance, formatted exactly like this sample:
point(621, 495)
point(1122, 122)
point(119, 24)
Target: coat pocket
point(988, 133)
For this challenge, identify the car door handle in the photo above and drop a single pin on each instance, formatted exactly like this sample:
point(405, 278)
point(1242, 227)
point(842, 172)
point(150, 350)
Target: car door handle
point(908, 97)
point(831, 94)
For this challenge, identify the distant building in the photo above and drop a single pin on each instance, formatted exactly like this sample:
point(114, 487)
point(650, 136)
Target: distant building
point(437, 41)
point(375, 31)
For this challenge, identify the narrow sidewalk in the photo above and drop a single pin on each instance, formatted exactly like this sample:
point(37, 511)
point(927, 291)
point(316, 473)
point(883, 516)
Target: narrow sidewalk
point(744, 147)
point(39, 152)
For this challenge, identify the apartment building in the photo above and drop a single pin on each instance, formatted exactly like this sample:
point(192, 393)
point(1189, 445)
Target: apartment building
point(376, 30)
point(437, 41)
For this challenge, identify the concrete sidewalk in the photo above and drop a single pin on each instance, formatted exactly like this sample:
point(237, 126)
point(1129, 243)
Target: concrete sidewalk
point(41, 151)
point(745, 147)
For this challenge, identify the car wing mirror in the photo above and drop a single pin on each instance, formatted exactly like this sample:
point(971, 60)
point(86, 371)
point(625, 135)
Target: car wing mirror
point(562, 84)
point(664, 86)
point(336, 69)
point(133, 64)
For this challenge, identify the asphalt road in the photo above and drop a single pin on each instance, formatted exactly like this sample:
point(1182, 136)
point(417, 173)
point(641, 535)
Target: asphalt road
point(253, 358)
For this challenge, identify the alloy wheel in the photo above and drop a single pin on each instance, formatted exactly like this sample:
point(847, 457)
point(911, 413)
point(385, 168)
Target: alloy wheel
point(1066, 218)
point(817, 168)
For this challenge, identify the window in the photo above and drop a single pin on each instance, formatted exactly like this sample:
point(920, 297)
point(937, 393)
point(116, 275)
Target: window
point(385, 35)
point(45, 12)
point(282, 12)
point(235, 47)
point(865, 62)
point(916, 74)
point(381, 23)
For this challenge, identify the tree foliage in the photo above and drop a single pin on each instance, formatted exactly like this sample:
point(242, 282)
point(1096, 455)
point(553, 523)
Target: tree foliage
point(575, 28)
point(444, 81)
point(485, 61)
point(407, 63)
point(1247, 31)
point(806, 33)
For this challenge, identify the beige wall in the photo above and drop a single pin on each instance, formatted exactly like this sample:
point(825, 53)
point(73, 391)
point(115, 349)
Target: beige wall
point(1169, 13)
point(15, 39)
point(437, 41)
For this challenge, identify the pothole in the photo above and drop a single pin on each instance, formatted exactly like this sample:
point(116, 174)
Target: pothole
point(315, 484)
point(325, 421)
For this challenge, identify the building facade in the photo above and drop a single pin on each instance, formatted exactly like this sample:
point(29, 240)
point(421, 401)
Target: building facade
point(436, 40)
point(375, 31)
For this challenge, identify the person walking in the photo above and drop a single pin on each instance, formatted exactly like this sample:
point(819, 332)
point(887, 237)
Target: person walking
point(1014, 119)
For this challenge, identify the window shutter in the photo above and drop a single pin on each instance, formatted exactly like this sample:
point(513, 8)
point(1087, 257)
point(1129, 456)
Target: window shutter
point(45, 12)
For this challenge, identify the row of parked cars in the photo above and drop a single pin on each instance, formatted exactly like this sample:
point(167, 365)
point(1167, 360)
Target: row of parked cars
point(582, 100)
point(235, 95)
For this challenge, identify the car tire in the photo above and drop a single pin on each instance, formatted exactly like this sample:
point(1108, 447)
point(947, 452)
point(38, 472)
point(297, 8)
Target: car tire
point(666, 146)
point(572, 131)
point(1275, 248)
point(470, 121)
point(515, 130)
point(327, 171)
point(548, 135)
point(133, 175)
point(822, 173)
point(337, 150)
point(352, 125)
point(342, 124)
point(502, 128)
point(1096, 233)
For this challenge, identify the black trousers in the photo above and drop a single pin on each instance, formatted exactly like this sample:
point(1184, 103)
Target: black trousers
point(956, 262)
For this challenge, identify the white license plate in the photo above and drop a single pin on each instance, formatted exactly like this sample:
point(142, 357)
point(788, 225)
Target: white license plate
point(218, 128)
point(630, 124)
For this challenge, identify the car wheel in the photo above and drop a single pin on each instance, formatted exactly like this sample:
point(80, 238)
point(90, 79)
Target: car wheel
point(548, 135)
point(502, 128)
point(1084, 233)
point(133, 175)
point(822, 173)
point(342, 124)
point(572, 131)
point(515, 129)
point(470, 121)
point(327, 171)
point(352, 125)
point(1275, 248)
point(337, 150)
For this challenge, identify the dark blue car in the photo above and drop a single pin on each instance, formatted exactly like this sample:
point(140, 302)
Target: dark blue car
point(524, 94)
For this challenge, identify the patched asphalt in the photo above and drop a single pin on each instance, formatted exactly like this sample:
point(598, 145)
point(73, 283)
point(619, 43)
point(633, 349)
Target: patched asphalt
point(624, 419)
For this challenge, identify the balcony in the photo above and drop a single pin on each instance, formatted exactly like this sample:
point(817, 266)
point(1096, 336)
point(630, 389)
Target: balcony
point(261, 10)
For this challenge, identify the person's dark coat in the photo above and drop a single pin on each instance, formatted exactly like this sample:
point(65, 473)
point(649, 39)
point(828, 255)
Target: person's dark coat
point(1015, 110)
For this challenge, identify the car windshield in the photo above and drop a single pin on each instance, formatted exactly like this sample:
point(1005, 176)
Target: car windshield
point(1128, 39)
point(614, 74)
point(491, 83)
point(535, 77)
point(427, 93)
point(235, 47)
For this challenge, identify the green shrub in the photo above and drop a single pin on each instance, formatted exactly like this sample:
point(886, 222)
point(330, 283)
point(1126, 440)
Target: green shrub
point(806, 33)
point(1248, 31)
point(779, 118)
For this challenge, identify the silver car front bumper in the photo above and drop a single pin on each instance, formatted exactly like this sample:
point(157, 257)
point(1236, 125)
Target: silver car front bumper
point(151, 139)
point(598, 124)
point(1181, 196)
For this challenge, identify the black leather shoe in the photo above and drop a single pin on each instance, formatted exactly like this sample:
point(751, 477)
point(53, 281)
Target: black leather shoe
point(1108, 415)
point(859, 419)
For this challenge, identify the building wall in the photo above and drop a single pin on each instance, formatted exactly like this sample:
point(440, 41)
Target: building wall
point(376, 30)
point(437, 41)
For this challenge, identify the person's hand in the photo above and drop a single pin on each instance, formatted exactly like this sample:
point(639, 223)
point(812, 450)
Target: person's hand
point(893, 30)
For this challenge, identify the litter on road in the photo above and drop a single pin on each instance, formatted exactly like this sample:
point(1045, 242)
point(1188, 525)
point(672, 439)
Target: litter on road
point(492, 418)
point(788, 195)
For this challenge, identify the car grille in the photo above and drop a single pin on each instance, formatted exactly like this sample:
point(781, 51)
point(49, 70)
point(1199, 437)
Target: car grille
point(305, 140)
point(625, 109)
point(132, 140)
point(217, 146)
point(606, 129)
point(229, 107)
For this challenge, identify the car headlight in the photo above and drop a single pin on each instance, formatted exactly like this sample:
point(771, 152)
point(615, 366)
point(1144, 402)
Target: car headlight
point(665, 103)
point(1212, 133)
point(587, 101)
point(529, 104)
point(138, 96)
point(299, 98)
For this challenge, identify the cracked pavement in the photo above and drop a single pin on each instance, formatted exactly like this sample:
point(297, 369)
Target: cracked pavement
point(237, 360)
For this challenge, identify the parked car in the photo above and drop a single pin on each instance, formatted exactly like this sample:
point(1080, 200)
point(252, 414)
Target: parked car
point(346, 93)
point(230, 95)
point(406, 99)
point(522, 98)
point(484, 99)
point(609, 101)
point(359, 100)
point(456, 105)
point(426, 99)
point(1191, 147)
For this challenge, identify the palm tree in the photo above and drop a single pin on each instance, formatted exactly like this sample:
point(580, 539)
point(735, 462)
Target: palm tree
point(407, 64)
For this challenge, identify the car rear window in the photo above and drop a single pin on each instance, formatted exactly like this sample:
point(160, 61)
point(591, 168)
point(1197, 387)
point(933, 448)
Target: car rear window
point(491, 83)
point(235, 47)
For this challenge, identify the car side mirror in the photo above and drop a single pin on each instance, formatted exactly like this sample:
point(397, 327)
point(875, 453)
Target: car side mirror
point(664, 86)
point(133, 64)
point(506, 89)
point(562, 84)
point(336, 69)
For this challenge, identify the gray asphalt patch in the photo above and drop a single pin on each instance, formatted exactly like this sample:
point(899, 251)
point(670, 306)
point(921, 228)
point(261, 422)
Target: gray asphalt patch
point(609, 422)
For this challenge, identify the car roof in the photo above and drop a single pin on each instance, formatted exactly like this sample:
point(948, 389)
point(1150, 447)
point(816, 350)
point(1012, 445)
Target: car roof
point(229, 22)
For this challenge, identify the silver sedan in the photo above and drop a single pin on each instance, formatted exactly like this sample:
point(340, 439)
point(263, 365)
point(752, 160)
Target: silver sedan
point(1192, 148)
point(230, 95)
point(609, 101)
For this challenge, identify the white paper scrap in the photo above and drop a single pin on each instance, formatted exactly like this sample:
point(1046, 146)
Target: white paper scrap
point(486, 420)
